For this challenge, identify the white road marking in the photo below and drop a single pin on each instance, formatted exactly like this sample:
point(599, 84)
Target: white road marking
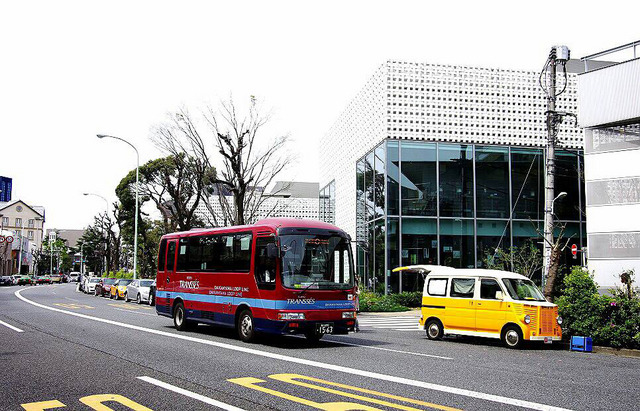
point(311, 363)
point(11, 326)
point(391, 350)
point(190, 394)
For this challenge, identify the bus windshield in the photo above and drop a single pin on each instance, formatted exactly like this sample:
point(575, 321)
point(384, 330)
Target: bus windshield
point(315, 261)
point(523, 289)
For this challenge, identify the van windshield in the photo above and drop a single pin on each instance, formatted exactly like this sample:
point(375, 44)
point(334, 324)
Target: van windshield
point(524, 290)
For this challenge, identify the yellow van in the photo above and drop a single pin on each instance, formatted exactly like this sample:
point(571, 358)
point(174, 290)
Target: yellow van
point(485, 303)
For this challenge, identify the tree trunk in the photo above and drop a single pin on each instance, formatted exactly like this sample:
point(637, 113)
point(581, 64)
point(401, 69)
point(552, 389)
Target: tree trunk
point(553, 273)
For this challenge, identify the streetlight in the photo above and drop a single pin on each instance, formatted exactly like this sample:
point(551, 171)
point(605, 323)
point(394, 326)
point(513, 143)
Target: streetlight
point(106, 238)
point(135, 235)
point(563, 194)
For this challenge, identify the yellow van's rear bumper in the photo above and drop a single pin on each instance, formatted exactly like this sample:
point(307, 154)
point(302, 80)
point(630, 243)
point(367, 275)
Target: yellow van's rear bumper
point(548, 337)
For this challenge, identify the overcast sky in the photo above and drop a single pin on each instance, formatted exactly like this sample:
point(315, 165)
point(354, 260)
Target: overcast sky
point(69, 70)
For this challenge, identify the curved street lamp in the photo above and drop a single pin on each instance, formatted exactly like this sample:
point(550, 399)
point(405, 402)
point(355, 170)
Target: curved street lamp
point(135, 235)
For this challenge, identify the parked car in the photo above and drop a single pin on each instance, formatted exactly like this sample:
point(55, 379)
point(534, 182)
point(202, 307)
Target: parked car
point(43, 279)
point(138, 290)
point(6, 280)
point(90, 283)
point(25, 280)
point(152, 293)
point(15, 278)
point(56, 278)
point(74, 276)
point(119, 288)
point(103, 288)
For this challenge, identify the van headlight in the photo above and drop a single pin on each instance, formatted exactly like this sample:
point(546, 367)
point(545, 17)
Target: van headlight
point(349, 314)
point(527, 319)
point(559, 320)
point(290, 316)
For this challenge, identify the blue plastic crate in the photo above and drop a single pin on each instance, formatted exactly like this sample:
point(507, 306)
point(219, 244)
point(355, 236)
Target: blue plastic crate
point(581, 344)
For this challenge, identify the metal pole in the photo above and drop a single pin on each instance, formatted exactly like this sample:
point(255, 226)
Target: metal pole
point(21, 245)
point(81, 258)
point(135, 230)
point(550, 168)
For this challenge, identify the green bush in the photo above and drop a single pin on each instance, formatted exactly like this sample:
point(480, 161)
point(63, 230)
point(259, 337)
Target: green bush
point(611, 320)
point(372, 302)
point(407, 299)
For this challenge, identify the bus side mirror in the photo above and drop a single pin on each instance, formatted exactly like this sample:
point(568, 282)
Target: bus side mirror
point(499, 295)
point(272, 250)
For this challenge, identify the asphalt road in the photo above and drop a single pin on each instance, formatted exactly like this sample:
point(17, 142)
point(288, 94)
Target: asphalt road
point(81, 351)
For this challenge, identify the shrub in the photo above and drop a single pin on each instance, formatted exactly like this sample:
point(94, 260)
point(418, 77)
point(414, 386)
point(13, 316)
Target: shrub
point(372, 302)
point(407, 299)
point(612, 320)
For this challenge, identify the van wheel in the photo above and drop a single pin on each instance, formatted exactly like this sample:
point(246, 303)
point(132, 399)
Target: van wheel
point(512, 336)
point(180, 318)
point(434, 330)
point(245, 327)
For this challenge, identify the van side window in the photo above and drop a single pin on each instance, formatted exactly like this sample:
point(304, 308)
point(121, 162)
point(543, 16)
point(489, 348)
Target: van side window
point(462, 287)
point(488, 289)
point(171, 256)
point(437, 286)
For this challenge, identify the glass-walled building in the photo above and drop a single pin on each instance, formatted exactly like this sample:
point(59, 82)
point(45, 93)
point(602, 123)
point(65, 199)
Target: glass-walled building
point(421, 202)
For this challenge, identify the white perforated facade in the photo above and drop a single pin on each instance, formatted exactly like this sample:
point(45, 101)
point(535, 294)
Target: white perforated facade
point(423, 101)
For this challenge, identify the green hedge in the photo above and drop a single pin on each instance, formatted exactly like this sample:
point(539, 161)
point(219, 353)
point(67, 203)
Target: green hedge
point(372, 302)
point(610, 320)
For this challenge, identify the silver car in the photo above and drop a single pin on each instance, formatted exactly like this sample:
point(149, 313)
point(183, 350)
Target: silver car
point(90, 284)
point(138, 290)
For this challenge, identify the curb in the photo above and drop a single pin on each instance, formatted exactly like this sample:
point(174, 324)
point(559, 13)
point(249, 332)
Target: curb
point(621, 352)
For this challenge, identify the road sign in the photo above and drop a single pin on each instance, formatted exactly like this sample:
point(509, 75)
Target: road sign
point(9, 239)
point(574, 250)
point(1, 239)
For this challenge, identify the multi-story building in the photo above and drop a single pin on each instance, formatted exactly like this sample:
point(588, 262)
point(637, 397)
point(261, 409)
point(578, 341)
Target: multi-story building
point(610, 113)
point(26, 222)
point(5, 189)
point(441, 164)
point(286, 199)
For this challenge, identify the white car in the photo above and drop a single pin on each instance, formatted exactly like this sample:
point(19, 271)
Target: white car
point(74, 276)
point(15, 279)
point(90, 284)
point(138, 290)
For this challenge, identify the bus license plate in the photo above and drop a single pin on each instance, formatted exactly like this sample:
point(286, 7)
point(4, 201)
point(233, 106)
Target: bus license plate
point(324, 328)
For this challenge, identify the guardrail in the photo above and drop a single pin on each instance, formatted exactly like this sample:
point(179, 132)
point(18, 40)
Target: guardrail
point(633, 45)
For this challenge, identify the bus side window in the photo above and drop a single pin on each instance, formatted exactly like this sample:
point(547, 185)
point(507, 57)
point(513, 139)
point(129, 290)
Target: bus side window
point(162, 252)
point(265, 266)
point(171, 256)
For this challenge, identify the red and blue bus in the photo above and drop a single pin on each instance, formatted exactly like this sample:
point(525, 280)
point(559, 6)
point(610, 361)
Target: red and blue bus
point(279, 276)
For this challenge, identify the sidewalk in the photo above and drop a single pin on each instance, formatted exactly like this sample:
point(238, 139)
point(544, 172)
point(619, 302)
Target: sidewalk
point(414, 312)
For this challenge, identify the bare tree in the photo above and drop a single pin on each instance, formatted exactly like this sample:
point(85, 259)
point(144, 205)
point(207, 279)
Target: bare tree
point(236, 195)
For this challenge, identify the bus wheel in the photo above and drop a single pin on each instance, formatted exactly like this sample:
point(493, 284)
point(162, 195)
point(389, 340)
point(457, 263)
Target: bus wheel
point(245, 326)
point(512, 336)
point(179, 318)
point(434, 330)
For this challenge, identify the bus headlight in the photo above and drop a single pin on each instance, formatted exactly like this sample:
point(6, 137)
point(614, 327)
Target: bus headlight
point(349, 314)
point(527, 319)
point(290, 316)
point(559, 320)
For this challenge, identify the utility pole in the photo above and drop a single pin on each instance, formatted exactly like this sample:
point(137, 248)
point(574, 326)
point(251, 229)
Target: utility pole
point(52, 239)
point(558, 55)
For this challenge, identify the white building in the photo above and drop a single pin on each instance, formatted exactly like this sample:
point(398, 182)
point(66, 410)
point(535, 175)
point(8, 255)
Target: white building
point(408, 114)
point(286, 199)
point(610, 113)
point(26, 223)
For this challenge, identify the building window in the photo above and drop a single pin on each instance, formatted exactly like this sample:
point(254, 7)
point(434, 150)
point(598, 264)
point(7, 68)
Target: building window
point(31, 223)
point(5, 221)
point(18, 222)
point(492, 182)
point(456, 180)
point(418, 179)
point(30, 235)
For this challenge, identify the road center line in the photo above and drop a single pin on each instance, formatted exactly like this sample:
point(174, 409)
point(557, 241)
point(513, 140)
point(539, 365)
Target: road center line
point(388, 349)
point(11, 326)
point(190, 394)
point(311, 363)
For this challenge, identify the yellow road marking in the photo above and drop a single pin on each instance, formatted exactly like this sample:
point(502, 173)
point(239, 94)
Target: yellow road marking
point(250, 382)
point(129, 306)
point(96, 402)
point(292, 379)
point(42, 405)
point(72, 305)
